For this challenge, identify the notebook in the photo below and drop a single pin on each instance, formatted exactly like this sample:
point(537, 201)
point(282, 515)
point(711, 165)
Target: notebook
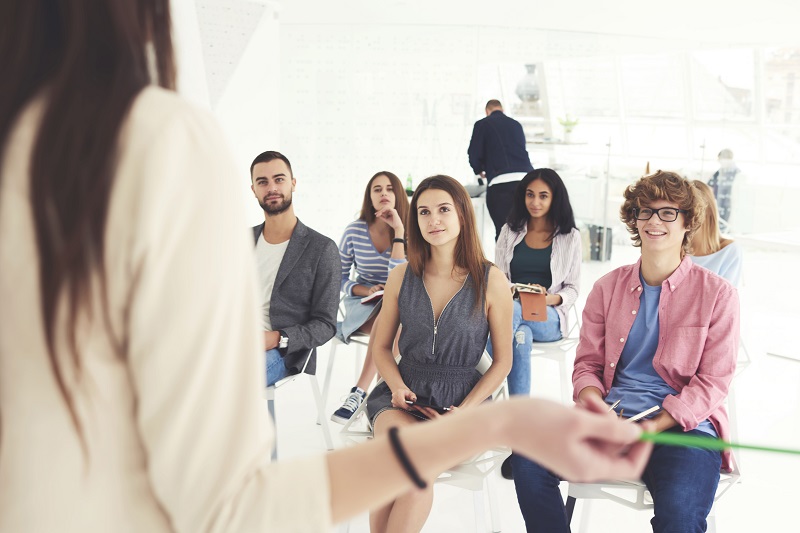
point(534, 303)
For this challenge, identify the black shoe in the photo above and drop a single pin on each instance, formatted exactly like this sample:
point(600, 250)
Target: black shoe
point(505, 469)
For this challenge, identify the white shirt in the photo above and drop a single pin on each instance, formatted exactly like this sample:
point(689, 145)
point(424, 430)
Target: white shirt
point(268, 261)
point(177, 433)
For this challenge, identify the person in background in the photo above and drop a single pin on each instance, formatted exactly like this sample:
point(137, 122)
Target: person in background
point(661, 332)
point(497, 153)
point(539, 245)
point(709, 248)
point(374, 244)
point(722, 184)
point(130, 340)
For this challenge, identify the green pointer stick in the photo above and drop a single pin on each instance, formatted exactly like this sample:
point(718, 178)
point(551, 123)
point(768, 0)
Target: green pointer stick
point(708, 443)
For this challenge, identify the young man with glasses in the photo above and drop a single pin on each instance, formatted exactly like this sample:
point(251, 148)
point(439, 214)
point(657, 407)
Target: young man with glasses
point(661, 332)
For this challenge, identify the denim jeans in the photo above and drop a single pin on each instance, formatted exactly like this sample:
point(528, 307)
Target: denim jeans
point(276, 370)
point(682, 481)
point(527, 332)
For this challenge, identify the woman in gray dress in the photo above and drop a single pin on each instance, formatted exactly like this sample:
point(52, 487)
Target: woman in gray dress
point(448, 298)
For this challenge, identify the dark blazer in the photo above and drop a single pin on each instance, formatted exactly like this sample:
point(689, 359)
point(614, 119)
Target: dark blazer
point(305, 297)
point(498, 146)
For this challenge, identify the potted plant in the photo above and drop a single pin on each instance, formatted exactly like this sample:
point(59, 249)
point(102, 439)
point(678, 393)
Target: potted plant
point(568, 124)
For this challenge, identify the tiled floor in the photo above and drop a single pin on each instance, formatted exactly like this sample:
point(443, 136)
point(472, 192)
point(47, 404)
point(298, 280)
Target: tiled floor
point(768, 405)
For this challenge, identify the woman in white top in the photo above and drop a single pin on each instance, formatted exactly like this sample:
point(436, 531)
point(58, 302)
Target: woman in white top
point(709, 248)
point(539, 245)
point(131, 367)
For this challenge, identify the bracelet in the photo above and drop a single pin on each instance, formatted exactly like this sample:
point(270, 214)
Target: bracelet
point(398, 239)
point(400, 453)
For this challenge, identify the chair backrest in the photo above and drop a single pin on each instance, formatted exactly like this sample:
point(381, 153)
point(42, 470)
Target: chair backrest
point(575, 325)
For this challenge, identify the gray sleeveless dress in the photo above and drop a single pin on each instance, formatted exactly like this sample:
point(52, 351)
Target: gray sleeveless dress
point(439, 360)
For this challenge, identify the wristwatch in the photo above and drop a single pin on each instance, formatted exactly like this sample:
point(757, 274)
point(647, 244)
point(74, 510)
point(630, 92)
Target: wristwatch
point(283, 343)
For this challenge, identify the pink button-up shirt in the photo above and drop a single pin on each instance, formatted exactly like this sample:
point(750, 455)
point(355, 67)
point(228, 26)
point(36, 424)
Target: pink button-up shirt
point(698, 319)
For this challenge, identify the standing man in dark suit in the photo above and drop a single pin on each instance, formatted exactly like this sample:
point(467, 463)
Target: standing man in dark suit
point(298, 271)
point(497, 152)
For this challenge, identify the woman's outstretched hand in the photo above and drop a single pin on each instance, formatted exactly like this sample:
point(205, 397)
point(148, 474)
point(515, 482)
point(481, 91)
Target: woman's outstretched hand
point(577, 444)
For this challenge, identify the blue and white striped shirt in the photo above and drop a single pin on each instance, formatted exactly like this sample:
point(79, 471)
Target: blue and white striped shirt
point(372, 267)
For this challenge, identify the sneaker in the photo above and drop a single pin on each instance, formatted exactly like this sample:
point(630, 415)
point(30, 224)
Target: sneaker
point(350, 405)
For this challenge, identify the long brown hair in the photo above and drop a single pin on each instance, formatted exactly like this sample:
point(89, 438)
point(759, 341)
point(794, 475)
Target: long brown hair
point(707, 239)
point(400, 200)
point(87, 59)
point(468, 252)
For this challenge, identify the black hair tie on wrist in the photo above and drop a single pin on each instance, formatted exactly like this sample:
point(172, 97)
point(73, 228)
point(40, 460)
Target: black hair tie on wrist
point(400, 453)
point(398, 239)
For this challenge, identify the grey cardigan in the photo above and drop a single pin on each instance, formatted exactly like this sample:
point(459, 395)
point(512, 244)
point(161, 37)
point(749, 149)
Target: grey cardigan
point(305, 296)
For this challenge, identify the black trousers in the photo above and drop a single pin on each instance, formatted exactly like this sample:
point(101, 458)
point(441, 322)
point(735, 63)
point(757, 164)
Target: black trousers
point(498, 201)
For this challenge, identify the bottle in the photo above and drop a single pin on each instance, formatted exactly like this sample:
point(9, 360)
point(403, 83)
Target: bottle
point(409, 185)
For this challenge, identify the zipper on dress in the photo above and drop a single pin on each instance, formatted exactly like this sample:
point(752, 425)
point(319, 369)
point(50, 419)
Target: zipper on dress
point(433, 312)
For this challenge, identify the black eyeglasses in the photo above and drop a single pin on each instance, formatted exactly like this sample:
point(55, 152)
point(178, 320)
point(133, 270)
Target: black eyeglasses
point(667, 214)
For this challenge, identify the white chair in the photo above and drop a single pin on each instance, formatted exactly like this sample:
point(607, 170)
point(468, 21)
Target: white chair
point(634, 494)
point(473, 474)
point(559, 351)
point(360, 341)
point(269, 394)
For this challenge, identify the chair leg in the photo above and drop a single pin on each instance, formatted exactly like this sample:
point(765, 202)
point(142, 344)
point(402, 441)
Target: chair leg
point(711, 525)
point(494, 512)
point(480, 520)
point(565, 380)
point(326, 384)
point(271, 408)
point(326, 432)
point(585, 512)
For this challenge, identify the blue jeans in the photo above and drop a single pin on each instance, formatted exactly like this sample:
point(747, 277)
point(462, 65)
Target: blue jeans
point(276, 370)
point(682, 481)
point(527, 332)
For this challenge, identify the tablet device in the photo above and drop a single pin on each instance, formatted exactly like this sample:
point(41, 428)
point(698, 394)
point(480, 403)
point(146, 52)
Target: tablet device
point(423, 403)
point(644, 413)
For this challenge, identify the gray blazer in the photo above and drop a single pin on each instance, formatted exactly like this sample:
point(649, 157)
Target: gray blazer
point(305, 297)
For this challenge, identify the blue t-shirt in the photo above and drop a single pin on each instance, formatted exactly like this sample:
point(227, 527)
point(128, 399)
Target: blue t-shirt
point(636, 383)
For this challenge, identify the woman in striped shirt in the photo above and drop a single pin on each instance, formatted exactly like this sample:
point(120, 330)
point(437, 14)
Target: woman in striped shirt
point(374, 244)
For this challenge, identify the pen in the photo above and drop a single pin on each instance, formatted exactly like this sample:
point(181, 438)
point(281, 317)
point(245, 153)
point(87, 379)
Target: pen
point(707, 443)
point(614, 405)
point(644, 413)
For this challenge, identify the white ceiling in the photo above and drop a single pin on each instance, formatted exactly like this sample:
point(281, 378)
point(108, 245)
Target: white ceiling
point(713, 22)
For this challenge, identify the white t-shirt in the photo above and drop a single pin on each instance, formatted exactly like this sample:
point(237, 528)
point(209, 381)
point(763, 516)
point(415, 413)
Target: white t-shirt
point(268, 261)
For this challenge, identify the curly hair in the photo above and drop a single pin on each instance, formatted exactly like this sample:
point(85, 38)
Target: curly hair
point(667, 186)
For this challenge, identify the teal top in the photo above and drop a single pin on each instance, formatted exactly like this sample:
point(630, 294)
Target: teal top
point(531, 265)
